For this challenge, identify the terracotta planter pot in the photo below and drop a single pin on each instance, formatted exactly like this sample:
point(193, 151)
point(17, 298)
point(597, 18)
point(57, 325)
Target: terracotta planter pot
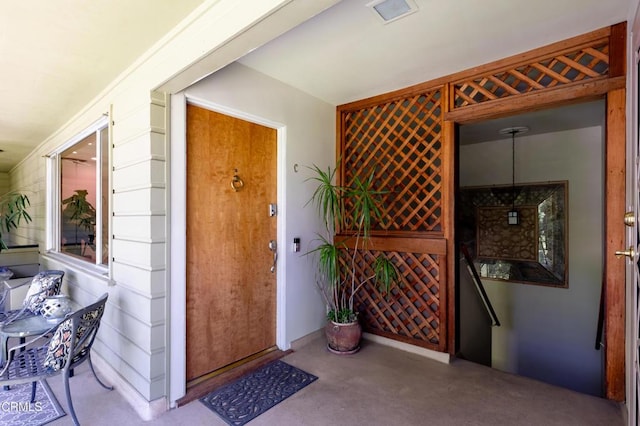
point(343, 339)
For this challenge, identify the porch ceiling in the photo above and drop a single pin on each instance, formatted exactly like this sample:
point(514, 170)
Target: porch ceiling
point(64, 53)
point(347, 53)
point(56, 56)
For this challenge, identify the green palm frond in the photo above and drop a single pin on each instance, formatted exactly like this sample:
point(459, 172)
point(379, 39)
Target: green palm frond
point(327, 196)
point(13, 210)
point(328, 258)
point(386, 274)
point(365, 201)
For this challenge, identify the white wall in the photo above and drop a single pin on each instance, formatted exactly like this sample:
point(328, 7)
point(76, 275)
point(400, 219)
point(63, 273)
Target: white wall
point(549, 333)
point(309, 138)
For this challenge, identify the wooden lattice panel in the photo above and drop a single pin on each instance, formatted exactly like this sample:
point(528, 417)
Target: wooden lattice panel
point(411, 310)
point(585, 63)
point(401, 142)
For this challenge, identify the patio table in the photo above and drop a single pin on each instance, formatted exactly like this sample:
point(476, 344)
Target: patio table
point(31, 325)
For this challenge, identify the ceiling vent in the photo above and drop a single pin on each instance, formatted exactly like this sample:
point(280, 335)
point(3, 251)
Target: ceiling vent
point(392, 10)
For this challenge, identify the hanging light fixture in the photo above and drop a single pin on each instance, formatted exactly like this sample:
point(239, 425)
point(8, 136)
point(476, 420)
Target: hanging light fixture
point(512, 215)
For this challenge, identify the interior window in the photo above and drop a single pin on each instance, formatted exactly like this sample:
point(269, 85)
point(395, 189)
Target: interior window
point(83, 198)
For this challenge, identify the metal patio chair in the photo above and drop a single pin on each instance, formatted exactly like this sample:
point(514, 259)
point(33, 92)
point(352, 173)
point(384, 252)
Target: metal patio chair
point(43, 284)
point(57, 351)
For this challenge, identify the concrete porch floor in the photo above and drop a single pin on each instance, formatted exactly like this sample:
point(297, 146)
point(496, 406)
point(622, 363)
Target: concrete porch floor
point(377, 386)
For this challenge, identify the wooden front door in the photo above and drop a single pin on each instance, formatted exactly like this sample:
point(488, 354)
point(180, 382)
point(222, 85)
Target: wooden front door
point(231, 290)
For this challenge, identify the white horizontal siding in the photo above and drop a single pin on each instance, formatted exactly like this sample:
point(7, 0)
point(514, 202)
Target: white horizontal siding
point(142, 228)
point(139, 200)
point(149, 388)
point(133, 327)
point(138, 122)
point(128, 339)
point(139, 253)
point(148, 310)
point(139, 174)
point(151, 284)
point(130, 150)
point(134, 353)
point(148, 338)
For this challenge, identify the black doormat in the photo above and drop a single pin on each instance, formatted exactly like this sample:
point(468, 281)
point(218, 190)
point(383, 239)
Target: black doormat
point(251, 395)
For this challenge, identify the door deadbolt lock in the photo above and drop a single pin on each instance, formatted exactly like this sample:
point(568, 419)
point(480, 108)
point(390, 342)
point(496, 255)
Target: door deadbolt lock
point(631, 253)
point(630, 219)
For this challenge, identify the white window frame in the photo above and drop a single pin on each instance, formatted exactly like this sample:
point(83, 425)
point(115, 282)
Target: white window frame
point(54, 198)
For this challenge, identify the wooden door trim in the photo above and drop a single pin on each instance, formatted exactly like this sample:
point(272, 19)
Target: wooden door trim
point(614, 268)
point(450, 184)
point(614, 206)
point(564, 95)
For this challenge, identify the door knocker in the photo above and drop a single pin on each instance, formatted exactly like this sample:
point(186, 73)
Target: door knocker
point(236, 183)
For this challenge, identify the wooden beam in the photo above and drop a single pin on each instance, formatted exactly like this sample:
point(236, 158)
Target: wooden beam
point(340, 142)
point(449, 185)
point(406, 245)
point(618, 50)
point(533, 101)
point(614, 268)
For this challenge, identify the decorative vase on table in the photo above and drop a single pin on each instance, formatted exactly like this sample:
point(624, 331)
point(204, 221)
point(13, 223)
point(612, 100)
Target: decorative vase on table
point(56, 307)
point(343, 339)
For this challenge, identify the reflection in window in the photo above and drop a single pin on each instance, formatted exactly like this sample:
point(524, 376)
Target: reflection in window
point(532, 252)
point(83, 227)
point(551, 239)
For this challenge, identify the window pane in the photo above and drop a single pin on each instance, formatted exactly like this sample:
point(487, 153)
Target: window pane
point(78, 195)
point(104, 157)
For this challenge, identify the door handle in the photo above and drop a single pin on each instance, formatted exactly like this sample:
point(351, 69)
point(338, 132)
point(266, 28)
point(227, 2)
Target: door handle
point(631, 253)
point(273, 246)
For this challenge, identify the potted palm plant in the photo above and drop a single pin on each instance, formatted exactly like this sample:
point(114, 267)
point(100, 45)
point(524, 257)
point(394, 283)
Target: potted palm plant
point(13, 210)
point(350, 210)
